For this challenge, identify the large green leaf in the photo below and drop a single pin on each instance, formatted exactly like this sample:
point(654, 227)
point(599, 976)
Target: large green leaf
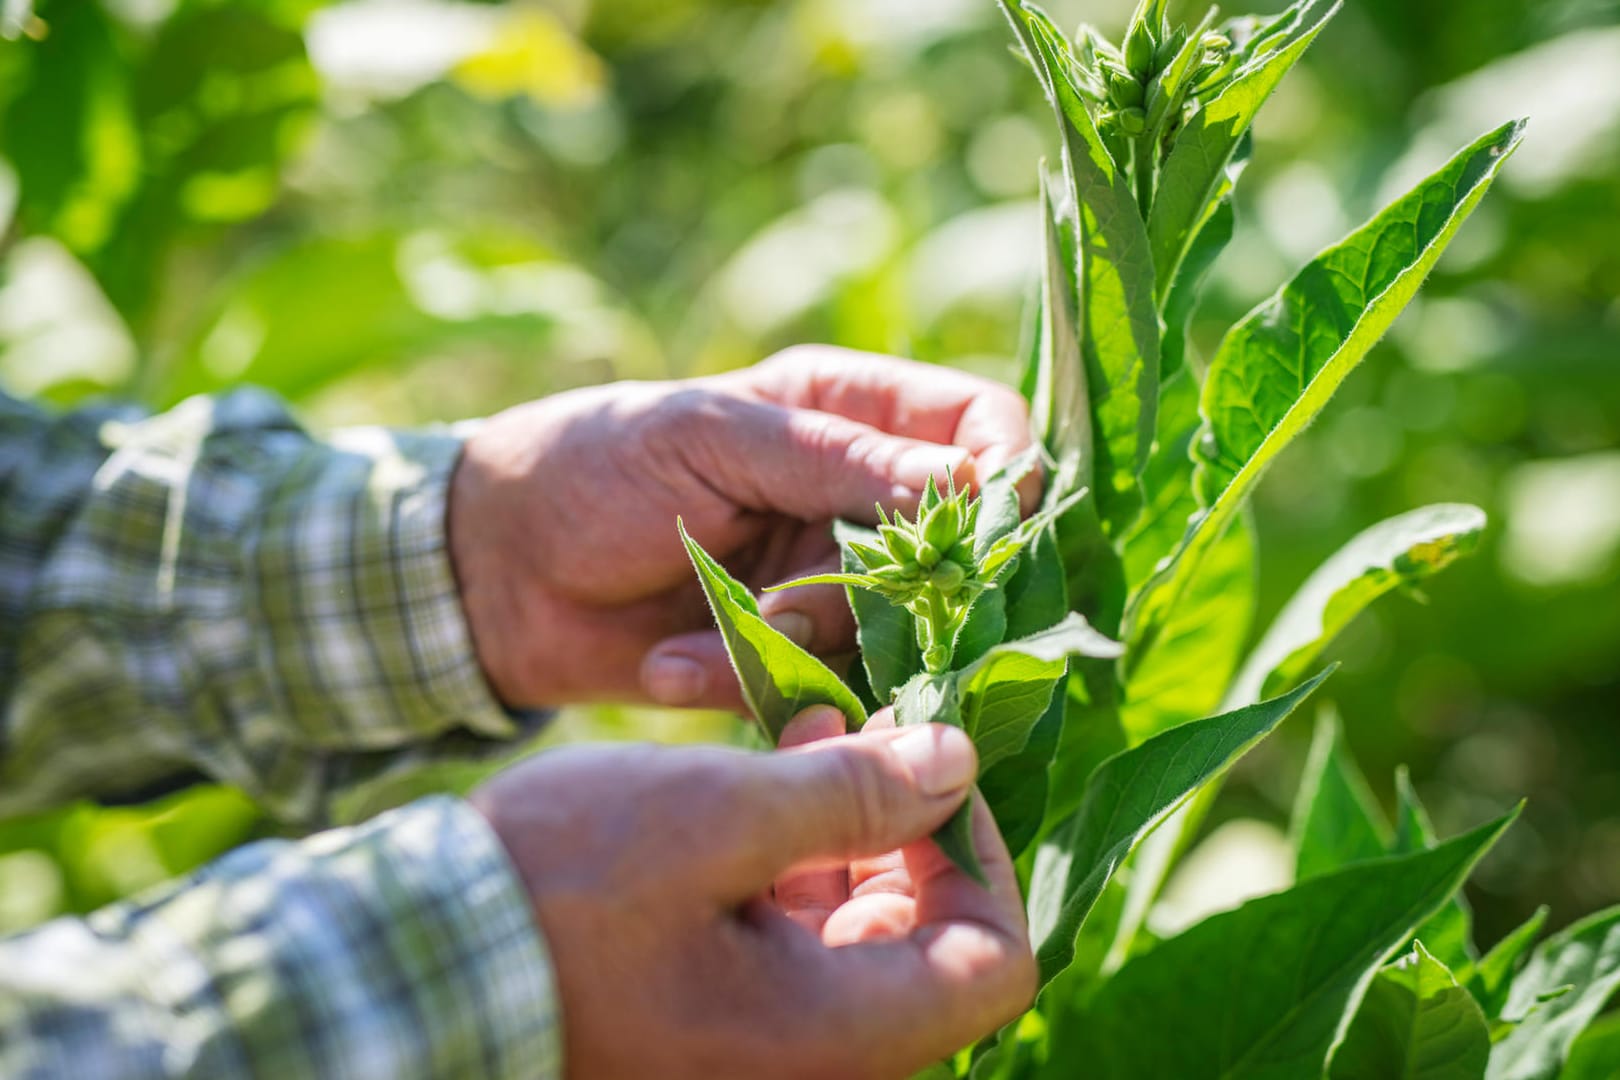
point(779, 679)
point(1276, 370)
point(1415, 1023)
point(1125, 798)
point(1261, 992)
point(1395, 553)
point(1006, 691)
point(1585, 958)
point(885, 632)
point(1492, 977)
point(1336, 820)
point(1016, 789)
point(1193, 174)
point(1119, 324)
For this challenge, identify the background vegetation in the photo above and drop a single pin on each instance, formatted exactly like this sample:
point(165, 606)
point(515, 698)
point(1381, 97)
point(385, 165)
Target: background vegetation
point(414, 211)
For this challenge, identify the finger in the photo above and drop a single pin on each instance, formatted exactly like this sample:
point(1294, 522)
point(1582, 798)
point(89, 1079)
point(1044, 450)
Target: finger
point(919, 401)
point(691, 671)
point(818, 617)
point(876, 917)
point(844, 798)
point(810, 896)
point(963, 970)
point(815, 465)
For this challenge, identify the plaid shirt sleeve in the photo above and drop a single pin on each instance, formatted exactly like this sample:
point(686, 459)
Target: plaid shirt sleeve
point(399, 949)
point(212, 592)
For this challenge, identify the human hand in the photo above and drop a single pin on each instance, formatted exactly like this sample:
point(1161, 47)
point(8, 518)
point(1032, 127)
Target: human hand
point(650, 871)
point(562, 512)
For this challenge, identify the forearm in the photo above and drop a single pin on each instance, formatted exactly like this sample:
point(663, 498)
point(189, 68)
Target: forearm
point(214, 591)
point(403, 948)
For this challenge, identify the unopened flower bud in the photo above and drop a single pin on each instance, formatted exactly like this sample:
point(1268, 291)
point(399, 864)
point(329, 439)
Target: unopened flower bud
point(1124, 91)
point(1139, 52)
point(927, 556)
point(947, 578)
point(1132, 121)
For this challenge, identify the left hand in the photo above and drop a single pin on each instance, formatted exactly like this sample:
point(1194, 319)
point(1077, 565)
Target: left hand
point(886, 897)
point(562, 513)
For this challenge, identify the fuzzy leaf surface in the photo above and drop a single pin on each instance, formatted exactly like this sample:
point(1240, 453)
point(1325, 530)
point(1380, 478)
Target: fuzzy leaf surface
point(779, 679)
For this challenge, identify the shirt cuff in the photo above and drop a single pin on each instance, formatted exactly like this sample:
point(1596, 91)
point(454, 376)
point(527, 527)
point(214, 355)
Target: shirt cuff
point(361, 613)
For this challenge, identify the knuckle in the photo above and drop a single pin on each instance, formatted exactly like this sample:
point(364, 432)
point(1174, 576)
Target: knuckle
point(868, 789)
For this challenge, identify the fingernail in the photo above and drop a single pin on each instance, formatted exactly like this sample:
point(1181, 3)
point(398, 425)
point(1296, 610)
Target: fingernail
point(916, 465)
point(941, 758)
point(673, 680)
point(794, 625)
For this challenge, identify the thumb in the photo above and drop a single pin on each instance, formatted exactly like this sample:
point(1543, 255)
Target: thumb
point(814, 465)
point(854, 797)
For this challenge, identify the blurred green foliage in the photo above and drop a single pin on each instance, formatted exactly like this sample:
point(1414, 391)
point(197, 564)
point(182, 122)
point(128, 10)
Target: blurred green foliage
point(402, 213)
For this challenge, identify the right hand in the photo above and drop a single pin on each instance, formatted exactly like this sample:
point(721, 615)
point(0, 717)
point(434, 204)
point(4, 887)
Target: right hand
point(650, 871)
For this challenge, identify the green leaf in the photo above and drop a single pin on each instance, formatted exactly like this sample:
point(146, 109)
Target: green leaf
point(1584, 957)
point(1188, 287)
point(1016, 788)
point(1415, 1023)
point(1261, 992)
point(1492, 977)
point(1125, 798)
point(1396, 553)
point(1119, 324)
point(779, 680)
point(1336, 821)
point(1006, 691)
point(1596, 1054)
point(1449, 932)
point(1191, 180)
point(885, 632)
point(932, 699)
point(1276, 370)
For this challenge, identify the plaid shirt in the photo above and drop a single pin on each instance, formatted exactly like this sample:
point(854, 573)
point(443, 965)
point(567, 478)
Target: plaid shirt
point(211, 592)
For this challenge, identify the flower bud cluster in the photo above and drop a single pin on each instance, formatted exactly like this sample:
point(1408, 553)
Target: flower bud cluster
point(927, 566)
point(1146, 86)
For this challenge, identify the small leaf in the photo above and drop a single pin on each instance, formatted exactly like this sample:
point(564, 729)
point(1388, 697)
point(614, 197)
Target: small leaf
point(1125, 798)
point(779, 680)
point(1260, 992)
point(932, 699)
point(1584, 957)
point(1006, 691)
point(1415, 1023)
point(1493, 975)
point(1336, 821)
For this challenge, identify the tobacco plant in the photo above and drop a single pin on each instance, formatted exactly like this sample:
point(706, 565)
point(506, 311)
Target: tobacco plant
point(1094, 651)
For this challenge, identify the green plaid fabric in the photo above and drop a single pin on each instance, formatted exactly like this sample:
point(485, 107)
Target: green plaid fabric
point(395, 950)
point(212, 592)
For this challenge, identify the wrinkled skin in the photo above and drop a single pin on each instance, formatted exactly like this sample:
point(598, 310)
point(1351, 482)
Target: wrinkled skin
point(651, 871)
point(562, 512)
